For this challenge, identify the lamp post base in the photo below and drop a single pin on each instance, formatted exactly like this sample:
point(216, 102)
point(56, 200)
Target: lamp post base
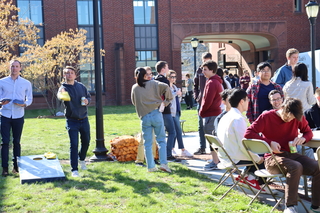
point(100, 158)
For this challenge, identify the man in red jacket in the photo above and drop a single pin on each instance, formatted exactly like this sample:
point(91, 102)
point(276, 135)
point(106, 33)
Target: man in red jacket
point(211, 99)
point(278, 127)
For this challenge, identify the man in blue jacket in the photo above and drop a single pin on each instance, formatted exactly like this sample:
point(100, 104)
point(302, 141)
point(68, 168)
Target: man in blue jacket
point(284, 73)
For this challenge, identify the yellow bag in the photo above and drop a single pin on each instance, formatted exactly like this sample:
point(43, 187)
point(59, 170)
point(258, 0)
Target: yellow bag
point(50, 155)
point(64, 96)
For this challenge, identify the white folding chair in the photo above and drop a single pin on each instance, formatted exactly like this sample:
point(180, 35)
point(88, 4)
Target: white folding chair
point(261, 147)
point(232, 167)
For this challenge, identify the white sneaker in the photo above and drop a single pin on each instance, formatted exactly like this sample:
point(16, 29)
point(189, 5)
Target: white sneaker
point(75, 173)
point(83, 165)
point(165, 168)
point(153, 169)
point(314, 210)
point(185, 153)
point(174, 153)
point(291, 209)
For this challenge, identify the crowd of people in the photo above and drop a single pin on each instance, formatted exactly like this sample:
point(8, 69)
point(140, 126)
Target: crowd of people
point(277, 110)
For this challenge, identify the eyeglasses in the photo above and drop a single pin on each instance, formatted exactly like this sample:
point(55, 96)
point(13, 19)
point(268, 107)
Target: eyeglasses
point(276, 100)
point(265, 71)
point(173, 76)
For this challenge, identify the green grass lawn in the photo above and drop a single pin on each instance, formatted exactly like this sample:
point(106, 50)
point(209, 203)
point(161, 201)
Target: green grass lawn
point(112, 186)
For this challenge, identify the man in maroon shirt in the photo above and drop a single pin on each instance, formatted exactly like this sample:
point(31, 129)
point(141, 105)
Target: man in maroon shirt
point(211, 99)
point(278, 127)
point(199, 83)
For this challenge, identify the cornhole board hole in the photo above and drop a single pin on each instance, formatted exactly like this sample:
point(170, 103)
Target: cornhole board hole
point(36, 168)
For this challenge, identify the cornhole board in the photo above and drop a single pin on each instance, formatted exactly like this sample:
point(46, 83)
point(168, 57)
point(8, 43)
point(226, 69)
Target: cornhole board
point(36, 168)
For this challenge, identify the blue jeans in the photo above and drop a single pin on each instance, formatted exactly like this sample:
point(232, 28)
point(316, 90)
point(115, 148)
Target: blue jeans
point(75, 127)
point(16, 125)
point(177, 126)
point(149, 122)
point(203, 143)
point(169, 124)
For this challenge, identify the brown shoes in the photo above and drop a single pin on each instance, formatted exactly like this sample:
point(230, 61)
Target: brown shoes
point(15, 171)
point(5, 172)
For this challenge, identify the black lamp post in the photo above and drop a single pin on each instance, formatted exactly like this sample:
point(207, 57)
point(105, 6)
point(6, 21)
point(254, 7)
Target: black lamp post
point(194, 44)
point(100, 151)
point(312, 9)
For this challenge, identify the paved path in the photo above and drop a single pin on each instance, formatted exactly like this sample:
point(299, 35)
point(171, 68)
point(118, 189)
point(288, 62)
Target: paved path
point(191, 143)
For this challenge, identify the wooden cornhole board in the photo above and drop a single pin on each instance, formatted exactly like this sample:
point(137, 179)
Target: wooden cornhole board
point(36, 168)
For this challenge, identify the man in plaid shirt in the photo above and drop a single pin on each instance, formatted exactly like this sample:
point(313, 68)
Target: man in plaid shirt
point(258, 92)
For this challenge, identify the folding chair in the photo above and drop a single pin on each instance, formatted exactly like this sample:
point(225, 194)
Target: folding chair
point(261, 147)
point(216, 143)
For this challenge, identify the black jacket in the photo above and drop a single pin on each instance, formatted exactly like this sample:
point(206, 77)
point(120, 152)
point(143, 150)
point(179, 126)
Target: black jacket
point(313, 117)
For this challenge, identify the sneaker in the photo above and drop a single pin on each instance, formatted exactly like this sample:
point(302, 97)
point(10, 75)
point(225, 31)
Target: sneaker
point(254, 184)
point(291, 209)
point(314, 210)
point(75, 173)
point(83, 165)
point(153, 169)
point(185, 153)
point(210, 166)
point(173, 159)
point(140, 164)
point(156, 162)
point(174, 153)
point(200, 152)
point(165, 168)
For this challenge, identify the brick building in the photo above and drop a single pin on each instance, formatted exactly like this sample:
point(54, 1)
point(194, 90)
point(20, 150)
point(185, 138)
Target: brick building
point(141, 32)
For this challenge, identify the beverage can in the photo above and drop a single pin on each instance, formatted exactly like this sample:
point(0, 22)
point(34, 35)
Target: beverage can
point(293, 149)
point(82, 101)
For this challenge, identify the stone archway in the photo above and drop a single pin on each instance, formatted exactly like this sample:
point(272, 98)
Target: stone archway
point(275, 32)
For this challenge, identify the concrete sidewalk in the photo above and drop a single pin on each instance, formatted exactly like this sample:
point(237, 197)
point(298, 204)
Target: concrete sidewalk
point(191, 143)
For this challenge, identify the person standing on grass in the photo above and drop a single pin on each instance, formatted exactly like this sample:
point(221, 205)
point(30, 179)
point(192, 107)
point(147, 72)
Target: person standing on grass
point(76, 113)
point(162, 69)
point(189, 93)
point(147, 96)
point(18, 92)
point(198, 87)
point(140, 153)
point(176, 113)
point(211, 101)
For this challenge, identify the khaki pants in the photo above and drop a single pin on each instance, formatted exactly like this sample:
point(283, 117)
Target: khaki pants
point(140, 152)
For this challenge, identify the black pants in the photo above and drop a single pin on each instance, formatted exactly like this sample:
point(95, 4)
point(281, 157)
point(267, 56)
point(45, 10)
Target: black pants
point(188, 98)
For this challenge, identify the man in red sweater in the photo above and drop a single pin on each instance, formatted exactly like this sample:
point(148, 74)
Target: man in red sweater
point(211, 99)
point(278, 127)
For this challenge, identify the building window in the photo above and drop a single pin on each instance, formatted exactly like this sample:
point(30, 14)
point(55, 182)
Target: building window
point(146, 58)
point(144, 12)
point(146, 32)
point(146, 38)
point(85, 21)
point(297, 6)
point(32, 10)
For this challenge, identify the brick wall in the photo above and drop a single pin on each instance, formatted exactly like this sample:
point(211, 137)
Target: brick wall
point(118, 27)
